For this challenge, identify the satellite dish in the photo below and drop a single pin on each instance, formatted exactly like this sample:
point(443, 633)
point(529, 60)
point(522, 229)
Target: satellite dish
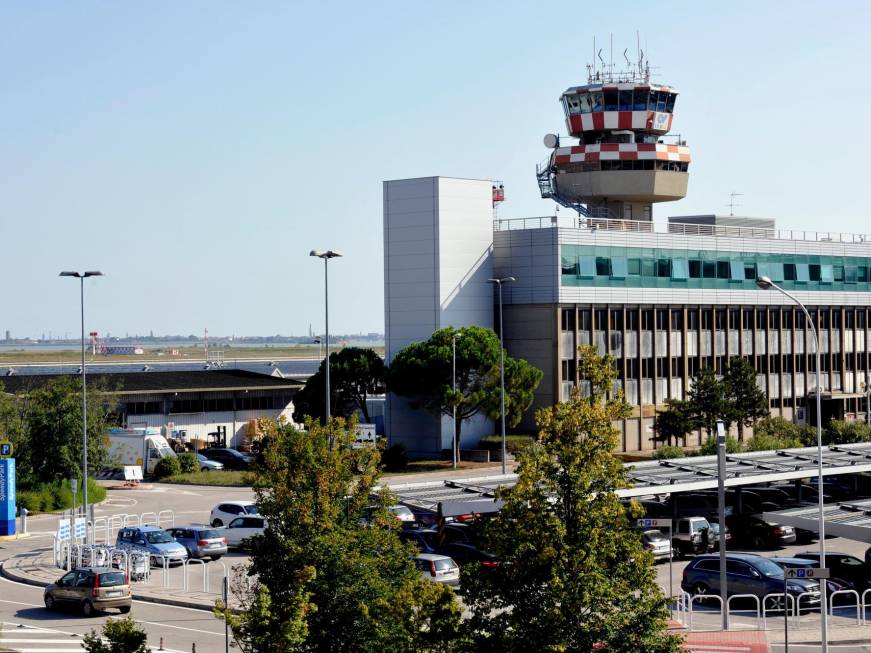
point(551, 140)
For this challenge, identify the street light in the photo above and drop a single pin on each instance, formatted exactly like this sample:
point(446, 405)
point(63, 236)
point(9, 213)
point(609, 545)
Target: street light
point(81, 276)
point(456, 334)
point(326, 256)
point(499, 283)
point(766, 283)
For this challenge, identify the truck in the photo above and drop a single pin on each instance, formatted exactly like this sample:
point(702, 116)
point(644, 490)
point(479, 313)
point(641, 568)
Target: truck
point(144, 447)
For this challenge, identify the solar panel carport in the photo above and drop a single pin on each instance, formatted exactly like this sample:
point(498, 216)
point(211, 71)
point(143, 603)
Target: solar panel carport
point(668, 476)
point(850, 519)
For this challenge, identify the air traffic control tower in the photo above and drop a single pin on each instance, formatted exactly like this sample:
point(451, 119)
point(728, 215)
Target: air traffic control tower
point(622, 163)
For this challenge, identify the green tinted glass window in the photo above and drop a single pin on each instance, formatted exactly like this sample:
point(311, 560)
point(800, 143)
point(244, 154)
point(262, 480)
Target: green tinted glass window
point(827, 273)
point(802, 272)
point(736, 270)
point(619, 267)
point(587, 266)
point(850, 274)
point(679, 268)
point(634, 266)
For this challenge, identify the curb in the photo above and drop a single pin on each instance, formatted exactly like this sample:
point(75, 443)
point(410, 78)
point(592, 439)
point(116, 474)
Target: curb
point(179, 603)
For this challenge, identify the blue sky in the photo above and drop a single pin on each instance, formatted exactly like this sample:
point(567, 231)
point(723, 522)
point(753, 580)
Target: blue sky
point(195, 152)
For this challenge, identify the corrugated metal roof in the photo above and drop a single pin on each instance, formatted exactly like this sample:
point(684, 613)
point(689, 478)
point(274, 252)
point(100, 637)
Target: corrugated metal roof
point(672, 475)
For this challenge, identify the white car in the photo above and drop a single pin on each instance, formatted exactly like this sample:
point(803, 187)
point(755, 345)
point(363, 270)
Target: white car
point(225, 512)
point(438, 568)
point(243, 528)
point(207, 465)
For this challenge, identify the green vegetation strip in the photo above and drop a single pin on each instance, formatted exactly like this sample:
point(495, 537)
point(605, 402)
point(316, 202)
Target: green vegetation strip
point(216, 478)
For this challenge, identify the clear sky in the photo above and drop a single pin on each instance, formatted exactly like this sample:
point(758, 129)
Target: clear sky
point(195, 152)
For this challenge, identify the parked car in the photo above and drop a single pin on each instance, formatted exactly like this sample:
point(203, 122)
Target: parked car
point(200, 541)
point(207, 465)
point(402, 513)
point(154, 541)
point(459, 541)
point(438, 568)
point(832, 584)
point(690, 535)
point(91, 590)
point(844, 566)
point(242, 529)
point(657, 543)
point(226, 512)
point(746, 573)
point(754, 532)
point(715, 536)
point(230, 458)
point(424, 539)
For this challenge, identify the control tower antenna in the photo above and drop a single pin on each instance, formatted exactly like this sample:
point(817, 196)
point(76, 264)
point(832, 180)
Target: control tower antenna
point(732, 204)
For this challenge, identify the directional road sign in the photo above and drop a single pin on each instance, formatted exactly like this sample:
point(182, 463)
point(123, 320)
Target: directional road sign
point(808, 572)
point(654, 523)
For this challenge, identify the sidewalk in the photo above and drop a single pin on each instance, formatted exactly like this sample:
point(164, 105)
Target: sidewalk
point(36, 567)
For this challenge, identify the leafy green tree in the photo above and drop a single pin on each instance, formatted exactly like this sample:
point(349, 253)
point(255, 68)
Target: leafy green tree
point(842, 432)
point(707, 400)
point(423, 372)
point(774, 432)
point(745, 401)
point(49, 419)
point(118, 636)
point(323, 581)
point(709, 447)
point(573, 575)
point(355, 374)
point(673, 423)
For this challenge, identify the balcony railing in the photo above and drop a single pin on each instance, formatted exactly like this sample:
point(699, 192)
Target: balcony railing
point(675, 228)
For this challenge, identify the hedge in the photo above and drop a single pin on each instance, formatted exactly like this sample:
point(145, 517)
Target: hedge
point(50, 497)
point(514, 444)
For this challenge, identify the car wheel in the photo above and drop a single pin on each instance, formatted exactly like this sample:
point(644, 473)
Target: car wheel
point(700, 589)
point(49, 602)
point(217, 523)
point(204, 469)
point(758, 542)
point(124, 609)
point(88, 609)
point(216, 558)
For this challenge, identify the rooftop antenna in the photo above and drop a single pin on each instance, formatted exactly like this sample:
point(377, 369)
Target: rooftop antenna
point(628, 63)
point(611, 59)
point(732, 203)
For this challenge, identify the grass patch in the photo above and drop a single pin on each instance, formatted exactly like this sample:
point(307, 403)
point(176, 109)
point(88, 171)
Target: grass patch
point(218, 478)
point(51, 497)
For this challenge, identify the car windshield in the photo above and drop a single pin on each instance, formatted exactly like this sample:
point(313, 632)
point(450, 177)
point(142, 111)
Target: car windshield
point(443, 564)
point(699, 525)
point(210, 534)
point(251, 509)
point(112, 579)
point(158, 537)
point(770, 569)
point(201, 458)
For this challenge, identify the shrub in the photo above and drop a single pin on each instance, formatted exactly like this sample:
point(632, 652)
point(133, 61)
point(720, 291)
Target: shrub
point(188, 463)
point(49, 497)
point(167, 467)
point(118, 636)
point(395, 458)
point(668, 452)
point(514, 444)
point(841, 432)
point(709, 448)
point(765, 442)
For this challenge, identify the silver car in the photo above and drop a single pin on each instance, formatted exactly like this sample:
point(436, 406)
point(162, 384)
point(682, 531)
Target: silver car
point(200, 541)
point(438, 568)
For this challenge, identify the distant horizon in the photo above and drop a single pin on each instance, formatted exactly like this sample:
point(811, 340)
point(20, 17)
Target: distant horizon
point(195, 339)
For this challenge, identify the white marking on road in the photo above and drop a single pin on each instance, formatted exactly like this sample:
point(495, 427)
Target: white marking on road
point(193, 630)
point(31, 605)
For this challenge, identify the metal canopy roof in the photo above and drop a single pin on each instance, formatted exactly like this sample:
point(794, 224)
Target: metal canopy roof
point(850, 519)
point(669, 476)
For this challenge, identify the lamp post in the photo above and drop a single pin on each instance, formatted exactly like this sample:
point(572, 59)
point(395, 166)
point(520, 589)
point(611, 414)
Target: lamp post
point(81, 276)
point(499, 283)
point(456, 334)
point(765, 284)
point(326, 256)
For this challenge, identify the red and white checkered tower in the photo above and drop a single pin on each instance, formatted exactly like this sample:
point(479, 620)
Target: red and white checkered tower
point(622, 163)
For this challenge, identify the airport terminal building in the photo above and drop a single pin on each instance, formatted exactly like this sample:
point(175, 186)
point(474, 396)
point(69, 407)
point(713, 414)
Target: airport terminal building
point(664, 298)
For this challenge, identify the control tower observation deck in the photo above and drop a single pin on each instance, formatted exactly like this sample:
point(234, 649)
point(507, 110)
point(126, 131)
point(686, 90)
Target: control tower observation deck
point(622, 163)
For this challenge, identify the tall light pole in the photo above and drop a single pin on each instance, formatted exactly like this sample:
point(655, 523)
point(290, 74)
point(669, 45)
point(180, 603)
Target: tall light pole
point(499, 283)
point(456, 334)
point(326, 256)
point(765, 283)
point(81, 276)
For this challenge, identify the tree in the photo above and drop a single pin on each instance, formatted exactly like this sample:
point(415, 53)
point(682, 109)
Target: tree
point(355, 374)
point(322, 581)
point(745, 401)
point(573, 575)
point(673, 423)
point(118, 636)
point(49, 419)
point(423, 372)
point(707, 400)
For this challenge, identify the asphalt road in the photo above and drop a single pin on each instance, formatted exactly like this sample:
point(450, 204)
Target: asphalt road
point(29, 627)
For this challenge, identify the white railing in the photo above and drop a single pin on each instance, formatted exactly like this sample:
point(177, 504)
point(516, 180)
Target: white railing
point(744, 596)
point(781, 604)
point(845, 593)
point(700, 598)
point(676, 228)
